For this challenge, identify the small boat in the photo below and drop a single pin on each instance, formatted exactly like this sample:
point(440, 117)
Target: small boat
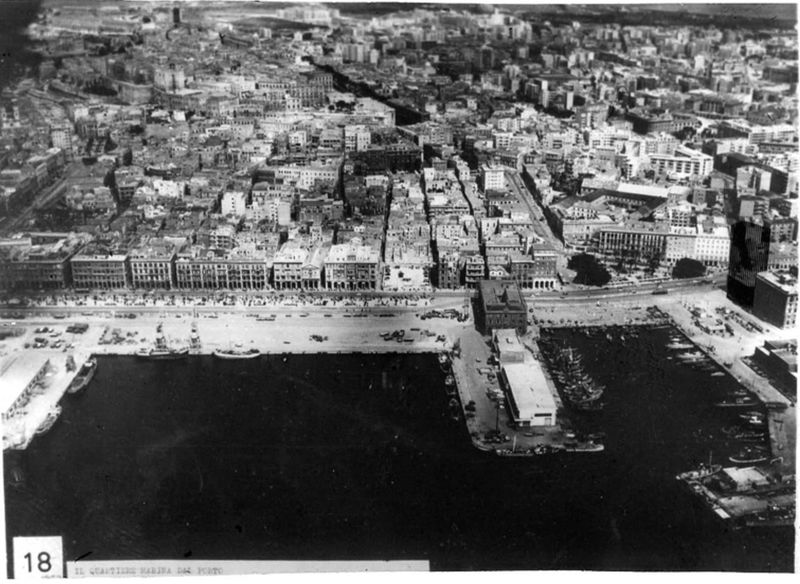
point(751, 436)
point(748, 455)
point(700, 472)
point(737, 402)
point(237, 353)
point(50, 419)
point(17, 478)
point(449, 380)
point(84, 376)
point(773, 516)
point(589, 446)
point(754, 418)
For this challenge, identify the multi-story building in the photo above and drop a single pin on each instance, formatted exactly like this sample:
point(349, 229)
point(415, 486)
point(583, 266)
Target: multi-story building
point(536, 270)
point(99, 267)
point(352, 266)
point(493, 178)
point(775, 298)
point(287, 267)
point(641, 238)
point(200, 268)
point(152, 264)
point(39, 261)
point(474, 270)
point(233, 203)
point(684, 162)
point(501, 306)
point(449, 269)
point(750, 244)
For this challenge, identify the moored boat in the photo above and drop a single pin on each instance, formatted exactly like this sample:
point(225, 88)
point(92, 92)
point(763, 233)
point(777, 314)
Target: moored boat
point(700, 472)
point(84, 376)
point(50, 419)
point(749, 455)
point(738, 402)
point(237, 353)
point(158, 353)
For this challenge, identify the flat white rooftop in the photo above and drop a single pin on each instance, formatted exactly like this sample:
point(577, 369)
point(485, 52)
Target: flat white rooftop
point(16, 372)
point(528, 385)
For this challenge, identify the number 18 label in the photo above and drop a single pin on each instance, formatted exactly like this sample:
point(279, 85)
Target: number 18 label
point(38, 557)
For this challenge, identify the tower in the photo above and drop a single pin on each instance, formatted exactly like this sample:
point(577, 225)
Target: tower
point(749, 256)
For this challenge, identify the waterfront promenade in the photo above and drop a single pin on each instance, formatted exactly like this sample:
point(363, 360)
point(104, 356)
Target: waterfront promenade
point(354, 324)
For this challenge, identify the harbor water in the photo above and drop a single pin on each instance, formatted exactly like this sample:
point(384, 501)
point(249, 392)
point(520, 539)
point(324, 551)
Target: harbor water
point(324, 457)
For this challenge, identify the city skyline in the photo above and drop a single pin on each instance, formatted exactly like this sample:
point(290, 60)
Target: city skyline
point(541, 209)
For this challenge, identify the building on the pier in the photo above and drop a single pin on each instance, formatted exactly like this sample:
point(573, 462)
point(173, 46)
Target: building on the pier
point(529, 400)
point(775, 298)
point(778, 360)
point(508, 347)
point(18, 376)
point(501, 306)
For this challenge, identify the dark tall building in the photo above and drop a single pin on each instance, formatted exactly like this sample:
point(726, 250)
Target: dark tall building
point(749, 256)
point(176, 15)
point(501, 306)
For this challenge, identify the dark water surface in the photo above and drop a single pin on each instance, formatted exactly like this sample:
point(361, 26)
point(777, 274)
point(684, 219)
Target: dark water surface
point(355, 457)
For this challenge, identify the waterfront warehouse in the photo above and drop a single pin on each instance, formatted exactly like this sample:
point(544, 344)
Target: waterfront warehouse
point(530, 402)
point(18, 376)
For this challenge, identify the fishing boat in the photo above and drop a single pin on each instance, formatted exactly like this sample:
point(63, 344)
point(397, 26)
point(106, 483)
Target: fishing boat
point(754, 418)
point(50, 419)
point(751, 436)
point(237, 353)
point(165, 353)
point(773, 516)
point(162, 350)
point(737, 402)
point(701, 472)
point(84, 376)
point(749, 455)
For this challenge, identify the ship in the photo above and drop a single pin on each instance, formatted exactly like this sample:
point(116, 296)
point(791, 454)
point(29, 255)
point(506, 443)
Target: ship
point(163, 353)
point(749, 455)
point(84, 376)
point(577, 387)
point(237, 353)
point(162, 350)
point(701, 472)
point(50, 419)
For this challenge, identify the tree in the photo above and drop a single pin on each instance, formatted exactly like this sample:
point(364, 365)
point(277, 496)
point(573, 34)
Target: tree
point(589, 270)
point(688, 268)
